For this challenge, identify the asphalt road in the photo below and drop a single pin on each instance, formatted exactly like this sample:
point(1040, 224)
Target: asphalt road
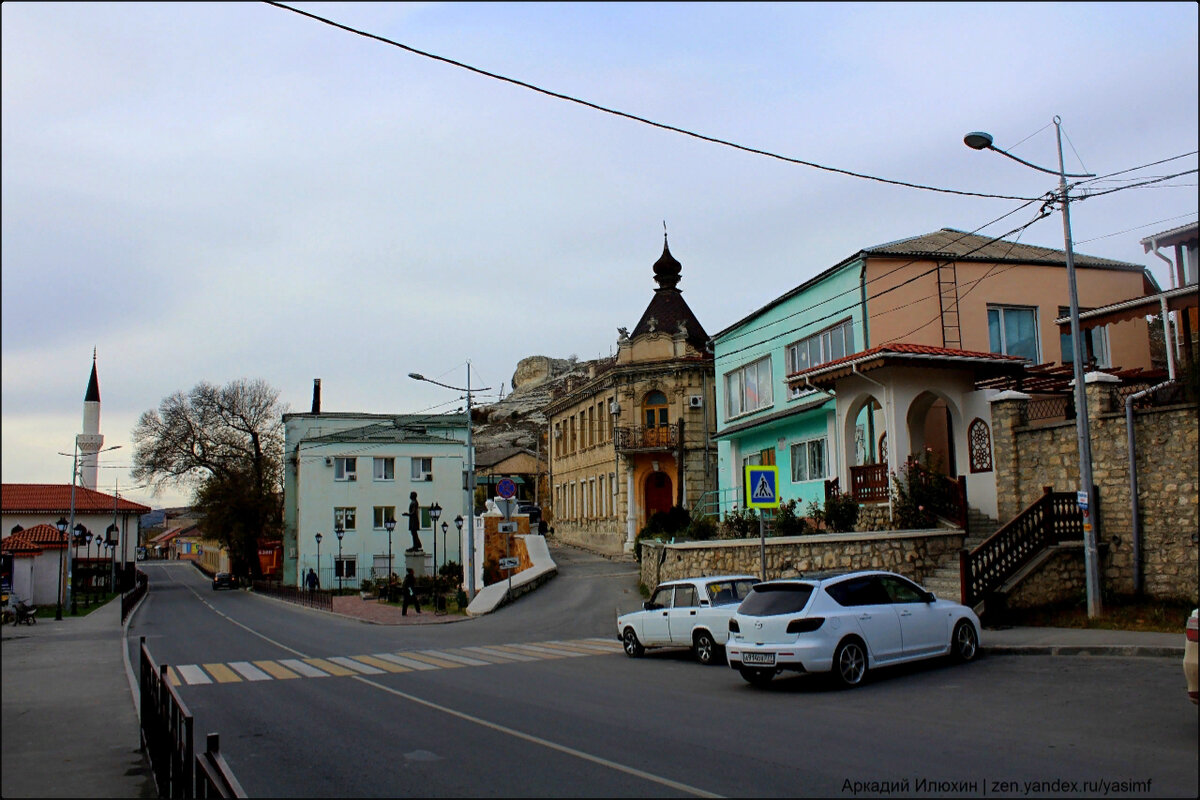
point(585, 722)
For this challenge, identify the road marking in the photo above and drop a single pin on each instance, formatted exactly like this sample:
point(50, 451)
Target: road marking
point(249, 671)
point(434, 660)
point(277, 671)
point(172, 677)
point(386, 666)
point(612, 645)
point(470, 662)
point(476, 652)
point(548, 650)
point(489, 651)
point(404, 662)
point(357, 666)
point(307, 670)
point(508, 648)
point(573, 649)
point(332, 669)
point(222, 673)
point(193, 675)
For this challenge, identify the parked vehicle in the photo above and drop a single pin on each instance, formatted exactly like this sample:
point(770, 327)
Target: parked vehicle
point(692, 612)
point(847, 624)
point(1191, 644)
point(223, 580)
point(534, 511)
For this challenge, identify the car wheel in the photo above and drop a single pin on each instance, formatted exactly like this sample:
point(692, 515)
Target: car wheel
point(705, 649)
point(964, 645)
point(633, 648)
point(757, 676)
point(850, 663)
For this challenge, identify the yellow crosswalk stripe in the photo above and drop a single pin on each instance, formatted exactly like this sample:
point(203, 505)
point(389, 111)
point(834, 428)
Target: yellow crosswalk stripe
point(570, 648)
point(379, 663)
point(222, 673)
point(437, 662)
point(329, 666)
point(275, 670)
point(172, 677)
point(508, 648)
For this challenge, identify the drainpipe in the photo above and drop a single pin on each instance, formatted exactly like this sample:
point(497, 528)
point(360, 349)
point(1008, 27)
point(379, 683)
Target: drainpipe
point(887, 415)
point(1133, 483)
point(1167, 339)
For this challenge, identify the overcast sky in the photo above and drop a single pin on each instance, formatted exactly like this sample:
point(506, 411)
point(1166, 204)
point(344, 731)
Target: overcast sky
point(221, 191)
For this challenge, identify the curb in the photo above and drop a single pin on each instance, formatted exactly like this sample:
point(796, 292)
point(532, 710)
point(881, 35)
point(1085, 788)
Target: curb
point(1110, 650)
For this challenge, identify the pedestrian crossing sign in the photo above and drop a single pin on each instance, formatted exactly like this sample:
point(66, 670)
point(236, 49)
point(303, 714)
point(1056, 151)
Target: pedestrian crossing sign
point(762, 486)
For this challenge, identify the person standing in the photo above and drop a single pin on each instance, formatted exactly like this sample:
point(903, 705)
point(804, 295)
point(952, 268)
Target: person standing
point(414, 523)
point(312, 580)
point(409, 590)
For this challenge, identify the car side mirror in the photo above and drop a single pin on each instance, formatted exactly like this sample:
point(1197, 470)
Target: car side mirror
point(930, 597)
point(704, 603)
point(649, 606)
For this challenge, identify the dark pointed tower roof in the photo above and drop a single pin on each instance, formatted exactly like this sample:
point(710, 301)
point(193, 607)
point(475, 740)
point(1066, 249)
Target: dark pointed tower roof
point(668, 308)
point(93, 390)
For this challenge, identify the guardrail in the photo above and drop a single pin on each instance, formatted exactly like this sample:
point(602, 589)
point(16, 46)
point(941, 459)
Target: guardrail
point(167, 728)
point(320, 599)
point(130, 599)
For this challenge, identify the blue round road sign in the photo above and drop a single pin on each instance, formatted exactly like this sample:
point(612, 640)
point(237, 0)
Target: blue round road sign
point(506, 488)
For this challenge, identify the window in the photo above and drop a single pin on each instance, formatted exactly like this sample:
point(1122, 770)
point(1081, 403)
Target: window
point(1012, 330)
point(591, 426)
point(662, 598)
point(769, 599)
point(602, 500)
point(344, 516)
point(1095, 343)
point(379, 567)
point(979, 446)
point(345, 567)
point(808, 460)
point(866, 591)
point(345, 469)
point(685, 596)
point(812, 351)
point(382, 514)
point(385, 469)
point(422, 469)
point(592, 497)
point(748, 388)
point(726, 592)
point(900, 591)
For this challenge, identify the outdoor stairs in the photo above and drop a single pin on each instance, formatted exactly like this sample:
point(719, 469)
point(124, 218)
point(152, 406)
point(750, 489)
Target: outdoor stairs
point(946, 580)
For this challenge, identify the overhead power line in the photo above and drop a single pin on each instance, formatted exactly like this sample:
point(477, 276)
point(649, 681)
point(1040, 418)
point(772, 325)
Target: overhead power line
point(636, 118)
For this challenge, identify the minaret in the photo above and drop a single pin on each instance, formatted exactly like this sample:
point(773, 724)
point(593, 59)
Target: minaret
point(90, 441)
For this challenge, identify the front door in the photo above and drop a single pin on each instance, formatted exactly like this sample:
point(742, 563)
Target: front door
point(659, 494)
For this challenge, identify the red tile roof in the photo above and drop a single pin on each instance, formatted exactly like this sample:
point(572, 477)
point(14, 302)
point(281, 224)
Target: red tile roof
point(53, 498)
point(34, 540)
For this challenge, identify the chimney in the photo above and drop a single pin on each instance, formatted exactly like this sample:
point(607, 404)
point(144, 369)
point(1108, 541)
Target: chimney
point(316, 407)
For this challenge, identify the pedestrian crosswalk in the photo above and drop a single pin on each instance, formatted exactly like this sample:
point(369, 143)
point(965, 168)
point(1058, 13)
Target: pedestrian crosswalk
point(385, 663)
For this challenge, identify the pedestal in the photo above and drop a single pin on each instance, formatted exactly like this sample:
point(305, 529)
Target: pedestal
point(419, 562)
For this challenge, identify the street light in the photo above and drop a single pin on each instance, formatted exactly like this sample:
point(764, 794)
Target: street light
point(318, 559)
point(390, 524)
point(435, 511)
point(978, 140)
point(458, 523)
point(113, 533)
point(340, 532)
point(469, 559)
point(62, 525)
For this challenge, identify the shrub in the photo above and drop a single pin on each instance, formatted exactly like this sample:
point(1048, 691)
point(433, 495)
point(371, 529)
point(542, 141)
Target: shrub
point(702, 529)
point(839, 512)
point(740, 524)
point(452, 571)
point(787, 523)
point(914, 499)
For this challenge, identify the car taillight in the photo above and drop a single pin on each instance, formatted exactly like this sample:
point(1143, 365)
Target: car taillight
point(1192, 632)
point(806, 625)
point(733, 626)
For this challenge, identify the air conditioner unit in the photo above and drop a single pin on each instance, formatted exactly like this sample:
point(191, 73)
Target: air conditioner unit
point(352, 476)
point(696, 401)
point(328, 461)
point(614, 407)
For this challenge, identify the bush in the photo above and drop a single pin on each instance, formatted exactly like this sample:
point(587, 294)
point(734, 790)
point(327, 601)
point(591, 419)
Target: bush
point(740, 524)
point(367, 585)
point(702, 529)
point(787, 523)
point(452, 571)
point(839, 513)
point(914, 500)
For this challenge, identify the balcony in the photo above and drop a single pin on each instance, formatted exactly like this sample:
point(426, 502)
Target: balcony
point(663, 439)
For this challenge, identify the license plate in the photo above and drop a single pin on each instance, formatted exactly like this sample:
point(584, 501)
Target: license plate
point(759, 658)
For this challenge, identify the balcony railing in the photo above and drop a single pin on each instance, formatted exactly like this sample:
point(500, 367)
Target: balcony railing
point(638, 439)
point(869, 483)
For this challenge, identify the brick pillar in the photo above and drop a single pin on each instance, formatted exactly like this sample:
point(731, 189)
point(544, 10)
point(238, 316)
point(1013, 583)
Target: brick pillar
point(1010, 410)
point(1099, 389)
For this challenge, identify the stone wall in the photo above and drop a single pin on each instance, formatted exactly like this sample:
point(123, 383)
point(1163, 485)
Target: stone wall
point(602, 535)
point(1061, 578)
point(914, 554)
point(1029, 457)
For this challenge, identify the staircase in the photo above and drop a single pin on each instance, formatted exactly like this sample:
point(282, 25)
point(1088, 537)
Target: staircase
point(946, 580)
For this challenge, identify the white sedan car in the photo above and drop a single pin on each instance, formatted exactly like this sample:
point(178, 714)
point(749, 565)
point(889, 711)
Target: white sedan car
point(846, 625)
point(691, 612)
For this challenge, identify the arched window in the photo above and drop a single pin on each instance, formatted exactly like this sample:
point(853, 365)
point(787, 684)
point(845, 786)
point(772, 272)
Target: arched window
point(883, 455)
point(979, 443)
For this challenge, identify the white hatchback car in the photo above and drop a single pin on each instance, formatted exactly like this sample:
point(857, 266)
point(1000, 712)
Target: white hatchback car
point(690, 612)
point(847, 625)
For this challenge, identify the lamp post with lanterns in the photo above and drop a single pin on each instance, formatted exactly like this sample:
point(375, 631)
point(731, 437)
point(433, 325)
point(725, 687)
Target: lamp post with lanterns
point(390, 525)
point(978, 140)
point(318, 537)
point(62, 526)
point(340, 569)
point(435, 513)
point(458, 523)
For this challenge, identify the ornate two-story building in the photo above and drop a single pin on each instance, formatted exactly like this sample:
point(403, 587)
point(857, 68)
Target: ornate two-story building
point(634, 437)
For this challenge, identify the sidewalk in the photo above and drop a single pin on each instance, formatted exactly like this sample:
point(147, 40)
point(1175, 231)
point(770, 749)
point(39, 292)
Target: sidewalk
point(1080, 642)
point(375, 612)
point(69, 728)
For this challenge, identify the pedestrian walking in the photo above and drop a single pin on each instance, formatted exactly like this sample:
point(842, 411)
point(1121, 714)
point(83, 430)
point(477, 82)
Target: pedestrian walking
point(409, 590)
point(414, 523)
point(312, 580)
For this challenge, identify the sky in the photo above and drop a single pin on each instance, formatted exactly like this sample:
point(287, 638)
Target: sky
point(208, 192)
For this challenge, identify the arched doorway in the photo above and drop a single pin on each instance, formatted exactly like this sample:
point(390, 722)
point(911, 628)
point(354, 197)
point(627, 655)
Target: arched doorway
point(931, 432)
point(659, 494)
point(654, 415)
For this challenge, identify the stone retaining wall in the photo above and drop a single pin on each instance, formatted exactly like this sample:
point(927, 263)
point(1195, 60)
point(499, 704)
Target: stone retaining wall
point(1062, 578)
point(914, 554)
point(602, 535)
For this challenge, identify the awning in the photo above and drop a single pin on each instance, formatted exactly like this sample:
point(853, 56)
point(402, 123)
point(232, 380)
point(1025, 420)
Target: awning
point(1177, 300)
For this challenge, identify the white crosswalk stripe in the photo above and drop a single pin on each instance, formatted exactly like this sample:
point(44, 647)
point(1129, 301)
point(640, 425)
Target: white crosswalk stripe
point(411, 663)
point(357, 666)
point(249, 671)
point(193, 675)
point(307, 670)
point(471, 662)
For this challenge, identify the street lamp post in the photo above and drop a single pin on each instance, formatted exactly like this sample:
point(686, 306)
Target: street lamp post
point(435, 511)
point(340, 532)
point(113, 534)
point(979, 140)
point(469, 558)
point(458, 523)
point(318, 537)
point(390, 525)
point(62, 530)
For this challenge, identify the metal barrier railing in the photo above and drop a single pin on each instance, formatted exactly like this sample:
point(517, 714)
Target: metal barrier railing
point(320, 599)
point(130, 599)
point(167, 728)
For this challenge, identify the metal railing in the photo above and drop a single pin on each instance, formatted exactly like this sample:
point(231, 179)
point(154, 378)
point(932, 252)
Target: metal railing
point(948, 495)
point(1051, 519)
point(663, 437)
point(167, 728)
point(869, 483)
point(320, 599)
point(130, 599)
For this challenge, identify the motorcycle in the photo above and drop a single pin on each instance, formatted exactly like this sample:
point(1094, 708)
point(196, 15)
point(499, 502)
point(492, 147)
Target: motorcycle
point(24, 613)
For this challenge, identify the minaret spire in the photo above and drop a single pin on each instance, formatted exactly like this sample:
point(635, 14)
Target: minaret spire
point(89, 440)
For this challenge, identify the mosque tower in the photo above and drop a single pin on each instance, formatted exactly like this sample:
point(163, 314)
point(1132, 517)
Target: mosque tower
point(91, 440)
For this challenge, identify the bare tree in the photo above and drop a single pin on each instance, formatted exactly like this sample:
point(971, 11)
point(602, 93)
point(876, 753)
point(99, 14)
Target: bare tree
point(227, 443)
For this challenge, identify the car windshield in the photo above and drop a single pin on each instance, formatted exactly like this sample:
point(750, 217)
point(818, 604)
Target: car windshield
point(728, 592)
point(769, 599)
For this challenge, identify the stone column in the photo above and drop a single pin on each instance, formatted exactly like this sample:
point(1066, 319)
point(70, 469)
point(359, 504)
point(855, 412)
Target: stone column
point(1010, 411)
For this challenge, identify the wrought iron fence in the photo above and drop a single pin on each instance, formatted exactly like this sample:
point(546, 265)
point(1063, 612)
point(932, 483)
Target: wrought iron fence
point(1055, 407)
point(320, 599)
point(663, 437)
point(1167, 395)
point(130, 598)
point(869, 483)
point(167, 728)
